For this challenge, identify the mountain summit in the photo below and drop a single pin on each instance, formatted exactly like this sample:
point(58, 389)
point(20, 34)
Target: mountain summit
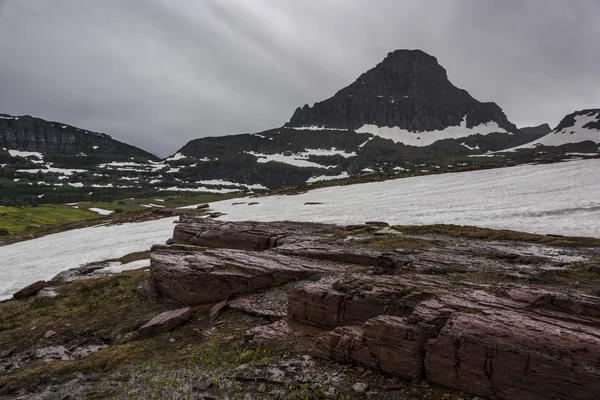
point(409, 90)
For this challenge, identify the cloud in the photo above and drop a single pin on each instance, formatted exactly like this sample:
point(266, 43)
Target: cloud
point(158, 73)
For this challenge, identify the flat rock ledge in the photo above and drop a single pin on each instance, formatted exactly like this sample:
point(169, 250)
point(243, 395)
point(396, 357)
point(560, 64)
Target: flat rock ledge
point(388, 311)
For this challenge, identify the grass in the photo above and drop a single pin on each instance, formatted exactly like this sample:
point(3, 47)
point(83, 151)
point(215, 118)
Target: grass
point(46, 218)
point(16, 220)
point(472, 232)
point(104, 310)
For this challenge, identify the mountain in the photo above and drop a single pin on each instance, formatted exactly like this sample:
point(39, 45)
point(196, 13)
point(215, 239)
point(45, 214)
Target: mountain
point(577, 132)
point(409, 90)
point(39, 153)
point(394, 116)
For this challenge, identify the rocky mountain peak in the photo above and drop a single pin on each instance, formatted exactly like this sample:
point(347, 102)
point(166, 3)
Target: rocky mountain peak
point(410, 90)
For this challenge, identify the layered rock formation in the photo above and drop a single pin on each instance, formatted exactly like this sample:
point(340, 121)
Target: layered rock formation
point(456, 313)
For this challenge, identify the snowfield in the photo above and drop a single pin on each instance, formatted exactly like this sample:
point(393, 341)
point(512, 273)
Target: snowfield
point(558, 199)
point(26, 262)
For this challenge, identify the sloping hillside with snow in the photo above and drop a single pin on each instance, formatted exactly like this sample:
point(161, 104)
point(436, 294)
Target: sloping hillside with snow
point(578, 127)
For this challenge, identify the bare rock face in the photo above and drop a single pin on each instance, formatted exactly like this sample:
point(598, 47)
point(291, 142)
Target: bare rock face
point(165, 321)
point(511, 355)
point(196, 276)
point(353, 301)
point(498, 345)
point(412, 314)
point(197, 231)
point(30, 290)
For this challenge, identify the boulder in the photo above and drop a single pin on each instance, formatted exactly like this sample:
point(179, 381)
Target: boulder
point(196, 276)
point(30, 290)
point(165, 322)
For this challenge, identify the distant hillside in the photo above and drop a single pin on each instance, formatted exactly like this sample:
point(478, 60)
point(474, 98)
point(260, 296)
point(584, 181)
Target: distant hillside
point(578, 131)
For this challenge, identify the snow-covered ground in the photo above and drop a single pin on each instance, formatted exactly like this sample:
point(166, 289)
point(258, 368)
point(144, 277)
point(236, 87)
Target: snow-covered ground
point(558, 198)
point(100, 211)
point(26, 262)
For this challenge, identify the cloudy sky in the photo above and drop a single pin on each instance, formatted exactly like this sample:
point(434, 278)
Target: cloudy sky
point(157, 73)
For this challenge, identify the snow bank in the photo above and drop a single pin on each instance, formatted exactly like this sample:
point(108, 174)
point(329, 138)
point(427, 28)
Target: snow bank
point(558, 198)
point(26, 262)
point(100, 211)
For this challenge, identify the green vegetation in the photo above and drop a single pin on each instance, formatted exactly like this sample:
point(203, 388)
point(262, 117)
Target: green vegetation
point(18, 219)
point(472, 232)
point(45, 218)
point(162, 366)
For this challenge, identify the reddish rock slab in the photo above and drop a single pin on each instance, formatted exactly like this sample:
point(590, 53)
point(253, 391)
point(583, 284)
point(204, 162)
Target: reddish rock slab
point(255, 236)
point(256, 308)
point(510, 355)
point(277, 331)
point(389, 344)
point(217, 309)
point(196, 276)
point(30, 290)
point(165, 322)
point(355, 299)
point(331, 252)
point(49, 334)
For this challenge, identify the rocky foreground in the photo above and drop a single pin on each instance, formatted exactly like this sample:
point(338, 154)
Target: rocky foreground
point(306, 311)
point(412, 314)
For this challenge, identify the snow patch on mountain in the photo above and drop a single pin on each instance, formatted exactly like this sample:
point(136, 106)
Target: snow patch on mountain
point(426, 138)
point(298, 160)
point(322, 178)
point(221, 182)
point(576, 133)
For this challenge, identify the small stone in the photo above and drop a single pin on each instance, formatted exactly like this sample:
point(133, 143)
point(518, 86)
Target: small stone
point(30, 290)
point(360, 387)
point(49, 334)
point(172, 340)
point(165, 322)
point(262, 387)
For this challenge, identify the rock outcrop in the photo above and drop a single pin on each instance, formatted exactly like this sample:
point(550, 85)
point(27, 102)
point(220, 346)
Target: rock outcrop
point(30, 290)
point(456, 314)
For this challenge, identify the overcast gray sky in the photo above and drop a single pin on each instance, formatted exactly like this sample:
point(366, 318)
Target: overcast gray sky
point(157, 73)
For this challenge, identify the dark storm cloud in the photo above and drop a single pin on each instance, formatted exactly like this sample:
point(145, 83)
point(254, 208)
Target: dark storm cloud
point(158, 73)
